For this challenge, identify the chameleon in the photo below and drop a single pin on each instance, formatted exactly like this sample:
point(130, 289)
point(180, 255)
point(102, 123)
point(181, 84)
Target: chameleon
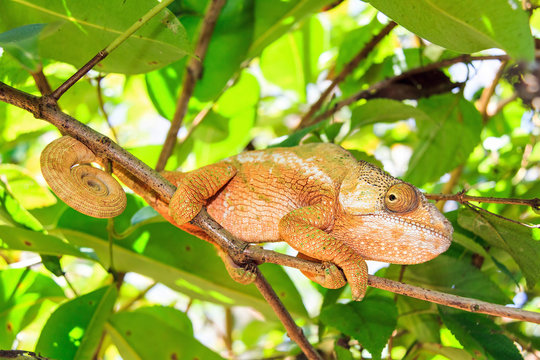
point(316, 197)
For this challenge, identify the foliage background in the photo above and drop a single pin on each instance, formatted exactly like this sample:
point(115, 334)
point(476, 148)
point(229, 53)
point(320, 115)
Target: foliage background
point(266, 62)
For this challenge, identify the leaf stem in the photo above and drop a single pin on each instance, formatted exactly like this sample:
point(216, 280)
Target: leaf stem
point(462, 198)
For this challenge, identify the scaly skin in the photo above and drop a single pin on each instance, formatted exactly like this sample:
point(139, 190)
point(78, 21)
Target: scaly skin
point(319, 200)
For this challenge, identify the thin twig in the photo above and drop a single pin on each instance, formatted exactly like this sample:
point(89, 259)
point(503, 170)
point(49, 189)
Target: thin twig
point(347, 69)
point(191, 76)
point(368, 93)
point(239, 251)
point(462, 198)
point(479, 209)
point(106, 51)
point(447, 188)
point(139, 296)
point(41, 82)
point(489, 91)
point(294, 331)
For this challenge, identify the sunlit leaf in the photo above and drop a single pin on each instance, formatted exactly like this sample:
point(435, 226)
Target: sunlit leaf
point(74, 330)
point(22, 44)
point(86, 27)
point(24, 295)
point(129, 331)
point(465, 26)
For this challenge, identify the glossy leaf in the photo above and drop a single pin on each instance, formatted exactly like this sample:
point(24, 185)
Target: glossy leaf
point(25, 188)
point(74, 330)
point(370, 321)
point(465, 26)
point(22, 44)
point(86, 27)
point(446, 139)
point(129, 331)
point(24, 295)
point(515, 239)
point(479, 335)
point(12, 212)
point(451, 275)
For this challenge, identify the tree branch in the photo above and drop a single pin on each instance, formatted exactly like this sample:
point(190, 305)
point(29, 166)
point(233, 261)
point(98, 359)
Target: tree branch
point(347, 69)
point(239, 251)
point(191, 76)
point(373, 89)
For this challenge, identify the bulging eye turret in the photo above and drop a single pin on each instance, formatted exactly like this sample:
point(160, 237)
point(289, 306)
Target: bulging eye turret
point(401, 198)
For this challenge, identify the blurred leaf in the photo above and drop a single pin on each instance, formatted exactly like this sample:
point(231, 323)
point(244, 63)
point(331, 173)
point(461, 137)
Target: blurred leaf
point(428, 350)
point(52, 263)
point(85, 27)
point(291, 62)
point(12, 212)
point(24, 294)
point(22, 44)
point(370, 321)
point(130, 333)
point(465, 26)
point(451, 275)
point(479, 335)
point(25, 188)
point(273, 19)
point(342, 353)
point(173, 257)
point(74, 330)
point(515, 239)
point(385, 110)
point(446, 139)
point(420, 318)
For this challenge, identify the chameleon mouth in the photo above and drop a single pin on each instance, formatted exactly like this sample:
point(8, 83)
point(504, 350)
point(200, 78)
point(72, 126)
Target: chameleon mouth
point(444, 234)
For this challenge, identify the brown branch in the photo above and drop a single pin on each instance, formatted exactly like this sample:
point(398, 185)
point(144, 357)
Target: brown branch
point(78, 74)
point(191, 76)
point(372, 90)
point(347, 69)
point(41, 82)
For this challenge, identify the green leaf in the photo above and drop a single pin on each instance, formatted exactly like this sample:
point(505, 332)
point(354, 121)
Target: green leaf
point(465, 26)
point(22, 44)
point(370, 321)
point(419, 318)
point(291, 62)
point(342, 353)
point(74, 330)
point(27, 240)
point(25, 188)
point(446, 138)
point(385, 110)
point(24, 295)
point(173, 257)
point(13, 213)
point(170, 316)
point(87, 26)
point(130, 333)
point(428, 350)
point(515, 239)
point(479, 335)
point(451, 275)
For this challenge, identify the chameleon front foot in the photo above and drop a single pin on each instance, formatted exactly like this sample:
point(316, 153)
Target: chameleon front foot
point(356, 272)
point(333, 277)
point(241, 274)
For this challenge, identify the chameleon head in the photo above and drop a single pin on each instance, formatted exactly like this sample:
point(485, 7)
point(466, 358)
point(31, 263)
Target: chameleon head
point(389, 220)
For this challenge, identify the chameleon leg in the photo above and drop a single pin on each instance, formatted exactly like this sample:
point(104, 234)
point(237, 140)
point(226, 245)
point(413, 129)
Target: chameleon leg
point(332, 278)
point(194, 188)
point(301, 228)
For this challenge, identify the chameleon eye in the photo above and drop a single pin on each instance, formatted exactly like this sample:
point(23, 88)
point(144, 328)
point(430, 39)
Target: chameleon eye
point(401, 198)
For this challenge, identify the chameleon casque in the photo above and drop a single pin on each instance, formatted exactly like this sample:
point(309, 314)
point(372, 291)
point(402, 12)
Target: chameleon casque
point(317, 197)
